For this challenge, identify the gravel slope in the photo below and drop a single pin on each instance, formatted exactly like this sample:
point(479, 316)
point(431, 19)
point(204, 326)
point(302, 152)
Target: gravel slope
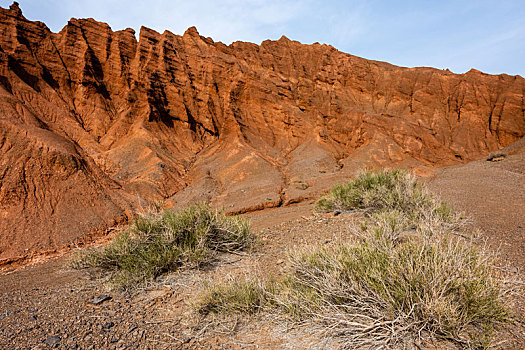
point(48, 306)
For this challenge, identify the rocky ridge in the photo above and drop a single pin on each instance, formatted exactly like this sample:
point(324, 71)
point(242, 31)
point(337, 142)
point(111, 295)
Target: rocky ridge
point(95, 124)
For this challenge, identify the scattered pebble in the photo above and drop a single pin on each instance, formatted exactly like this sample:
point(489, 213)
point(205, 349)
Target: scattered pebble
point(52, 340)
point(100, 299)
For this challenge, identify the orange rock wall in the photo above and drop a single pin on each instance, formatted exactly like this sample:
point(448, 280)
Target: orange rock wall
point(95, 123)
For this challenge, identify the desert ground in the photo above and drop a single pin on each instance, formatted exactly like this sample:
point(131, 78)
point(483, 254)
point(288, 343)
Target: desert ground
point(49, 305)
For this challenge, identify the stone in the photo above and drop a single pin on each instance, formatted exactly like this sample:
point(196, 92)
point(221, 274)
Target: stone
point(52, 340)
point(99, 299)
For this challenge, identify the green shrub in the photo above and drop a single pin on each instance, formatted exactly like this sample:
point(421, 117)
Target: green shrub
point(160, 242)
point(374, 191)
point(410, 274)
point(382, 191)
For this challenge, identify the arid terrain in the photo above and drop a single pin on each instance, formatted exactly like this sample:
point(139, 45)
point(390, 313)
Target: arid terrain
point(96, 125)
point(50, 299)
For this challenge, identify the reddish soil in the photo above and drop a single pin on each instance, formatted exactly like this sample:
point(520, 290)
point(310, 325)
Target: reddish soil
point(48, 299)
point(493, 194)
point(41, 301)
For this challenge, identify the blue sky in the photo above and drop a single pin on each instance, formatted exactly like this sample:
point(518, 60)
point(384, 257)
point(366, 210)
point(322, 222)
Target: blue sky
point(459, 34)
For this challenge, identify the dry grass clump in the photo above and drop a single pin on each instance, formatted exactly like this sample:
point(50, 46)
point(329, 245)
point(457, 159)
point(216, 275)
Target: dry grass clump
point(409, 276)
point(424, 286)
point(159, 242)
point(244, 296)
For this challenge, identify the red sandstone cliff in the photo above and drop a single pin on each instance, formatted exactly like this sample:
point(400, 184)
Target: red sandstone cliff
point(92, 121)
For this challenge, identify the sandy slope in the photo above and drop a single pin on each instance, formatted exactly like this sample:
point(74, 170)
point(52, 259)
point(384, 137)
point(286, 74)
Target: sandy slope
point(493, 195)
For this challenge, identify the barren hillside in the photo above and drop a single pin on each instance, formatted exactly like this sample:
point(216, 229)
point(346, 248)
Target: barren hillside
point(94, 123)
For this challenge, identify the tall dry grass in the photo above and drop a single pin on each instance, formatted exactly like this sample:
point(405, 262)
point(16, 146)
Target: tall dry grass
point(411, 275)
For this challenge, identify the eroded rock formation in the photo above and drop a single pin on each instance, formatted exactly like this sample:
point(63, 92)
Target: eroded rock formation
point(94, 121)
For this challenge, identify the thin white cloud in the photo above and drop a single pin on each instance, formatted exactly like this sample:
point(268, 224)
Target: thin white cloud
point(484, 54)
point(351, 24)
point(226, 21)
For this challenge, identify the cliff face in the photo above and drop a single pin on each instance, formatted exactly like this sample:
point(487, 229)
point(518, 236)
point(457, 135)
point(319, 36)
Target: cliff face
point(92, 121)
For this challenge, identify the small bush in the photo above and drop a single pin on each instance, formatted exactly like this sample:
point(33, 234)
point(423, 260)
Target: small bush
point(159, 242)
point(409, 275)
point(439, 286)
point(384, 191)
point(375, 191)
